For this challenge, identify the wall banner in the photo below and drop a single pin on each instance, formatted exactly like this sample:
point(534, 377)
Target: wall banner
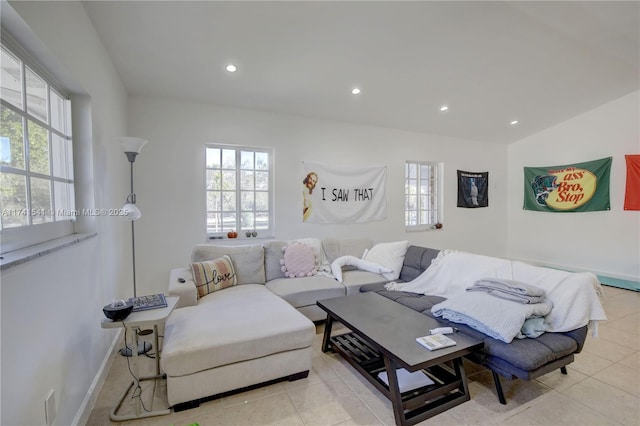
point(632, 192)
point(473, 189)
point(580, 187)
point(341, 194)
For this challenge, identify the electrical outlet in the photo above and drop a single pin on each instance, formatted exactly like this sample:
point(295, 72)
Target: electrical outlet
point(50, 407)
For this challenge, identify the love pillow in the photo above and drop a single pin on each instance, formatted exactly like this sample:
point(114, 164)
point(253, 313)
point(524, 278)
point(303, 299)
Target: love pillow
point(213, 275)
point(299, 260)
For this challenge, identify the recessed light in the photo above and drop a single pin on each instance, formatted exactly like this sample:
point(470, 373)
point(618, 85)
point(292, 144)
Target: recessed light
point(355, 91)
point(514, 122)
point(444, 108)
point(231, 68)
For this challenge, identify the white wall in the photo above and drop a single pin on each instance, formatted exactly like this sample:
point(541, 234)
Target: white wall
point(606, 242)
point(170, 179)
point(51, 306)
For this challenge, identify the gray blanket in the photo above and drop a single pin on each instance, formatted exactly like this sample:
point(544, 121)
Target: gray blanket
point(510, 290)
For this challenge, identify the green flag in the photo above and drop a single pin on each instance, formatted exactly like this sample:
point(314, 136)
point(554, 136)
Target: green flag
point(580, 187)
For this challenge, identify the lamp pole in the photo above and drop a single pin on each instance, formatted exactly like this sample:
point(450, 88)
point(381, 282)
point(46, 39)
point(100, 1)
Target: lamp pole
point(131, 147)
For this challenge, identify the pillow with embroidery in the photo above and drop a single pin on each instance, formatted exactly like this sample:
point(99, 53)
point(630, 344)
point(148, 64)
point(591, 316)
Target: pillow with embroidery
point(299, 260)
point(213, 275)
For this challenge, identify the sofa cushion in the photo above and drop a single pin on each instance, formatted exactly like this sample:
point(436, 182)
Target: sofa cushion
point(530, 354)
point(353, 280)
point(299, 260)
point(390, 255)
point(335, 248)
point(229, 326)
point(306, 291)
point(416, 261)
point(272, 256)
point(248, 260)
point(213, 275)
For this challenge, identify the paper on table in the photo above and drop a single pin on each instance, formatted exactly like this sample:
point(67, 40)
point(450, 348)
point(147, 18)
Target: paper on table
point(406, 380)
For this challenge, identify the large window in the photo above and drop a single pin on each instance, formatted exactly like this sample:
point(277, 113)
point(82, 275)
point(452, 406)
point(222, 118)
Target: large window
point(36, 154)
point(423, 206)
point(239, 190)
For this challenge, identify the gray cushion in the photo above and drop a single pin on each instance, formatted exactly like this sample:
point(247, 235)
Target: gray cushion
point(416, 261)
point(307, 290)
point(248, 261)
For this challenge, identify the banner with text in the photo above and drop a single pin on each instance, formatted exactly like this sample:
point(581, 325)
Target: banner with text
point(580, 187)
point(343, 194)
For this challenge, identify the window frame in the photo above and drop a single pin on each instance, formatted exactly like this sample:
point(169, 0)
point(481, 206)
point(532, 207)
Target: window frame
point(436, 185)
point(238, 149)
point(62, 220)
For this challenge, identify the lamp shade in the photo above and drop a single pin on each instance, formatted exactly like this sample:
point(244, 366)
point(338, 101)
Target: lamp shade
point(130, 144)
point(131, 212)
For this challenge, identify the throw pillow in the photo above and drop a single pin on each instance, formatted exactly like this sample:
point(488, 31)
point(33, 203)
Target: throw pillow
point(299, 260)
point(363, 265)
point(390, 255)
point(213, 275)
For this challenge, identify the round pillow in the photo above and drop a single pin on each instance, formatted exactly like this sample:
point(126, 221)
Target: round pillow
point(298, 261)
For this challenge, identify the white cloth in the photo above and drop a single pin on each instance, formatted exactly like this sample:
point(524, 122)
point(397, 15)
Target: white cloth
point(364, 265)
point(575, 295)
point(498, 318)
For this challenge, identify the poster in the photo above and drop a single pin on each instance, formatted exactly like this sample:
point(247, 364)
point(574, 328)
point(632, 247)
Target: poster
point(343, 194)
point(632, 191)
point(473, 189)
point(580, 187)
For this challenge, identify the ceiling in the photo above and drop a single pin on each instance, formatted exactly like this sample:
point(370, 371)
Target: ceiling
point(540, 63)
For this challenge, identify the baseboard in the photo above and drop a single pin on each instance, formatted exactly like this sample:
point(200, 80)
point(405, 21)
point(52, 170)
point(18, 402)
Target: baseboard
point(606, 278)
point(89, 401)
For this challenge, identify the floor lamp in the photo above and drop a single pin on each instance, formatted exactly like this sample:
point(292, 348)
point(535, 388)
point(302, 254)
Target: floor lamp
point(132, 147)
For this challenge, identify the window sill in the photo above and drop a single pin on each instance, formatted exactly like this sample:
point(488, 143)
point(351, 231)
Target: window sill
point(26, 254)
point(239, 240)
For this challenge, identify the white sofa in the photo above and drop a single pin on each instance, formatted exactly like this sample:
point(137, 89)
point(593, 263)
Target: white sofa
point(255, 332)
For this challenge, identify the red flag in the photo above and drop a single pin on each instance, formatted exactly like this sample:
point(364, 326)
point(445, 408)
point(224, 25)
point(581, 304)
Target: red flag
point(632, 194)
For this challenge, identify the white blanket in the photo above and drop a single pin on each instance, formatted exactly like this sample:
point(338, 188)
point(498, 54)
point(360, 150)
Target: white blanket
point(498, 318)
point(575, 295)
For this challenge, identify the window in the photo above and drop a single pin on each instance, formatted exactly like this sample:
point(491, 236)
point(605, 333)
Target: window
point(423, 206)
point(36, 154)
point(239, 190)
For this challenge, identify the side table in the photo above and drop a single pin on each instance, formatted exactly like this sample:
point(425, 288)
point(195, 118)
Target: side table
point(135, 321)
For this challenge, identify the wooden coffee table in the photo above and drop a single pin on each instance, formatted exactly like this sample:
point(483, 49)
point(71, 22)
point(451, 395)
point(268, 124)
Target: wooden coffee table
point(383, 338)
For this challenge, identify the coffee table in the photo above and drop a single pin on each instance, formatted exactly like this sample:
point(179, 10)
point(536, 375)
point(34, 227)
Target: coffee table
point(383, 339)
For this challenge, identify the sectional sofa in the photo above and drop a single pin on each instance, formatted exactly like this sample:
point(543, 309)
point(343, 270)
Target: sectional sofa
point(262, 329)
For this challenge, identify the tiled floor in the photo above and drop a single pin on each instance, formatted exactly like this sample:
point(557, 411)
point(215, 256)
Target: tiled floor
point(602, 388)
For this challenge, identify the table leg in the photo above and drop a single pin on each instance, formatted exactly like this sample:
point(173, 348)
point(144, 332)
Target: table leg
point(134, 361)
point(394, 391)
point(326, 339)
point(460, 373)
point(156, 339)
point(132, 341)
